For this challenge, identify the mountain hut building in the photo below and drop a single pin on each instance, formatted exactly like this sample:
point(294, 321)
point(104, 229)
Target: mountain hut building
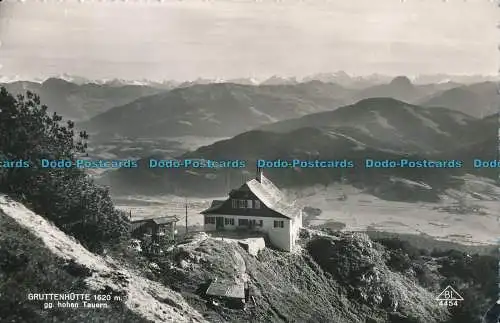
point(257, 206)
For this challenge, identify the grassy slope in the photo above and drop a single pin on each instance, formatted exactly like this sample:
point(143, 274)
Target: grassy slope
point(27, 266)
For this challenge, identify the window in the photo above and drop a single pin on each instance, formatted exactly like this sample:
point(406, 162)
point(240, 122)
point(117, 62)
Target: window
point(245, 204)
point(229, 221)
point(243, 222)
point(279, 224)
point(209, 220)
point(256, 223)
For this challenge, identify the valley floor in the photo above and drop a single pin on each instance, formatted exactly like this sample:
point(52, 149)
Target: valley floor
point(458, 218)
point(476, 222)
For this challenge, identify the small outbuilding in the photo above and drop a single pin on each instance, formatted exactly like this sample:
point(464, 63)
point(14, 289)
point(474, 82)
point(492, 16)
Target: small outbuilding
point(161, 228)
point(230, 292)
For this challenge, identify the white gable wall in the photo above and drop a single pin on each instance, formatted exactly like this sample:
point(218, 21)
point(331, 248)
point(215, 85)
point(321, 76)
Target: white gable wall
point(296, 224)
point(280, 237)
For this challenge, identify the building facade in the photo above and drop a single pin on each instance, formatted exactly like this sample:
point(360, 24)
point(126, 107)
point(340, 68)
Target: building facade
point(257, 206)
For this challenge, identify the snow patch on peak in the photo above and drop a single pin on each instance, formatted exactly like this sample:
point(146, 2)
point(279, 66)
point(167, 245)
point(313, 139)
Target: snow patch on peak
point(382, 121)
point(257, 112)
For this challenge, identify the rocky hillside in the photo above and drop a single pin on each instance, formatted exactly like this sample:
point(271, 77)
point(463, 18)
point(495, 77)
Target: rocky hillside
point(36, 257)
point(334, 277)
point(347, 281)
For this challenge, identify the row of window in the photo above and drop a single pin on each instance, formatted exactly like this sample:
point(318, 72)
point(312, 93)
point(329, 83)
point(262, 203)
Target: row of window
point(245, 222)
point(245, 204)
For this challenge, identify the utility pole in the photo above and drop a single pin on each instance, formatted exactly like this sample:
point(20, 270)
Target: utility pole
point(186, 206)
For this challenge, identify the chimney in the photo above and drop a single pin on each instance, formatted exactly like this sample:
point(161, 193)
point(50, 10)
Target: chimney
point(258, 176)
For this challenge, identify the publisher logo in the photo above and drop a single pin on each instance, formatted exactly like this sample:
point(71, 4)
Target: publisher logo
point(449, 297)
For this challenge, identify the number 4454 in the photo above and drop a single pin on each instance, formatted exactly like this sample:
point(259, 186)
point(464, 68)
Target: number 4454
point(448, 303)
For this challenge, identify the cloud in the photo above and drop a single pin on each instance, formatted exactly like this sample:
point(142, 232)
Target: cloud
point(183, 40)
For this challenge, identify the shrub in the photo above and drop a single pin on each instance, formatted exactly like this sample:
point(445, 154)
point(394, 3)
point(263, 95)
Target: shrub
point(395, 244)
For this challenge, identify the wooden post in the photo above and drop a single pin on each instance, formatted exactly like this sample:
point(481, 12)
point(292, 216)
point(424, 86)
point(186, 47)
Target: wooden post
point(186, 205)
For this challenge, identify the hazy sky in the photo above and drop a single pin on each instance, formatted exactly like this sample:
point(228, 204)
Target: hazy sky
point(220, 38)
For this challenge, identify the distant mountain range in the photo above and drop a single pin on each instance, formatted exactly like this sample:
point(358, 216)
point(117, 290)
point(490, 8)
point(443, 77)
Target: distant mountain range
point(79, 102)
point(478, 100)
point(401, 88)
point(358, 82)
point(221, 109)
point(226, 109)
point(380, 128)
point(340, 77)
point(218, 110)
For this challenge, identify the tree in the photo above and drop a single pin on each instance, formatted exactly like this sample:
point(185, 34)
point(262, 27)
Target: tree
point(67, 195)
